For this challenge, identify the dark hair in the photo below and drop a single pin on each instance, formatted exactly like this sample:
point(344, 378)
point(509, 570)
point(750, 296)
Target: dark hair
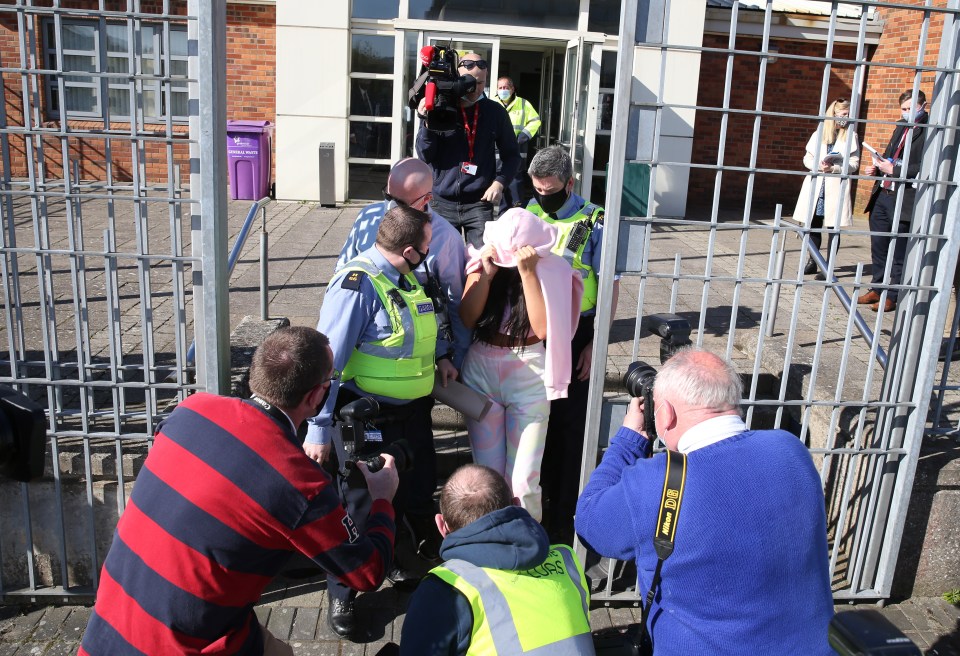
point(472, 492)
point(506, 290)
point(289, 363)
point(907, 95)
point(402, 226)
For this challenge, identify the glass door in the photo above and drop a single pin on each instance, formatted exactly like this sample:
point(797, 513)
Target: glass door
point(571, 83)
point(546, 99)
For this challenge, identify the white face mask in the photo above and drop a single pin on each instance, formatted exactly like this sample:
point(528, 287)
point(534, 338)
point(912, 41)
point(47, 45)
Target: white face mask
point(503, 94)
point(841, 123)
point(906, 115)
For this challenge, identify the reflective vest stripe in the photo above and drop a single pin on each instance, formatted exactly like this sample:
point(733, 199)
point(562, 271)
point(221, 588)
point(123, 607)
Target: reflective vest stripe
point(574, 566)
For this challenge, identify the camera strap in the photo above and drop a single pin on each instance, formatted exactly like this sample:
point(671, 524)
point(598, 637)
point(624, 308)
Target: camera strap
point(670, 501)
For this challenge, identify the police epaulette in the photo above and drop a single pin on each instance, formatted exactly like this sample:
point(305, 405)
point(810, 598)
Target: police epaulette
point(352, 280)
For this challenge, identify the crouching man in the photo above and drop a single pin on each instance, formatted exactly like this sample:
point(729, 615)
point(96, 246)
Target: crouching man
point(503, 589)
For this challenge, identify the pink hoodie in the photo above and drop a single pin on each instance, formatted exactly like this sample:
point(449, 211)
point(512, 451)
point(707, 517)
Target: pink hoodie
point(562, 288)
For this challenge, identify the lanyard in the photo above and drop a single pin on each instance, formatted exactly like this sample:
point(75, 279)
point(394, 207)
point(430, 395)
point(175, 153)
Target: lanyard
point(471, 134)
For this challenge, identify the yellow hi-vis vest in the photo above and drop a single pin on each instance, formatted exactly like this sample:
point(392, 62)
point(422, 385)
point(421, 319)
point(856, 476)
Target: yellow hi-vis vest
point(401, 366)
point(544, 610)
point(565, 230)
point(523, 116)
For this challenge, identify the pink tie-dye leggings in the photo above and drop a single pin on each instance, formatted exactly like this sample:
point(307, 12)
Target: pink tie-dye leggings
point(510, 438)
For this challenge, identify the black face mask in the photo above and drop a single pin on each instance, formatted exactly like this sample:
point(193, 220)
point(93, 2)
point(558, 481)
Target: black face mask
point(551, 203)
point(423, 258)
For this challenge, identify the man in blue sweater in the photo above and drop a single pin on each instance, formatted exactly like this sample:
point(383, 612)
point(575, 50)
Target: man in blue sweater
point(749, 573)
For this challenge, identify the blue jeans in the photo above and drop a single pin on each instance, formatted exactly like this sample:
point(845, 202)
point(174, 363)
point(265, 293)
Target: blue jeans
point(467, 218)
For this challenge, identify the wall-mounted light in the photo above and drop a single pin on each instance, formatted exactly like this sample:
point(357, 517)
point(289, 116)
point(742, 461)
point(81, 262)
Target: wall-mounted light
point(772, 53)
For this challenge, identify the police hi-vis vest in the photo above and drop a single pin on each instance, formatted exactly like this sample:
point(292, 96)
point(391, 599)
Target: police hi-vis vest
point(543, 611)
point(572, 236)
point(400, 366)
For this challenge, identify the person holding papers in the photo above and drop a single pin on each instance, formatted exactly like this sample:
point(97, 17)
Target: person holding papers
point(898, 167)
point(824, 199)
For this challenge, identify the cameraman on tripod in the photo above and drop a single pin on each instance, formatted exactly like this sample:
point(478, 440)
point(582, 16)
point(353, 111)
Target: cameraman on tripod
point(749, 574)
point(466, 186)
point(383, 332)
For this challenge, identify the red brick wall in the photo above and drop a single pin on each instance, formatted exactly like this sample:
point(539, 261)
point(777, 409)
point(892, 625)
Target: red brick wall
point(791, 86)
point(251, 95)
point(899, 45)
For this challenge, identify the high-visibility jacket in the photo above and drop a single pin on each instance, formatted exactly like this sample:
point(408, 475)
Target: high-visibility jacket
point(523, 116)
point(401, 366)
point(573, 233)
point(544, 610)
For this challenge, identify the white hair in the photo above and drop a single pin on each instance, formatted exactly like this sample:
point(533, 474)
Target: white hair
point(700, 379)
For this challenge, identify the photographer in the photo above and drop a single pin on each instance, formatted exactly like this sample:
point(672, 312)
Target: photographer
point(749, 572)
point(224, 498)
point(466, 186)
point(383, 332)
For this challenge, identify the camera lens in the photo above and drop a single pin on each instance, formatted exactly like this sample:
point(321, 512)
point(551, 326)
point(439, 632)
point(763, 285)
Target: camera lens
point(639, 379)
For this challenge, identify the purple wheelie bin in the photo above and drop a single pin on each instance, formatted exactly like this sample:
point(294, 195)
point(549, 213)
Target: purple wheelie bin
point(249, 157)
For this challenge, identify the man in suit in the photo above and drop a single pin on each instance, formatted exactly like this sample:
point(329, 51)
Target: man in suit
point(897, 162)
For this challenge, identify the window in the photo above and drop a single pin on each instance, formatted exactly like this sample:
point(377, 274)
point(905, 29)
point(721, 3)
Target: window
point(371, 101)
point(105, 48)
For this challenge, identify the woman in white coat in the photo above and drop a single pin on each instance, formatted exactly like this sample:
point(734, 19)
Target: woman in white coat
point(825, 200)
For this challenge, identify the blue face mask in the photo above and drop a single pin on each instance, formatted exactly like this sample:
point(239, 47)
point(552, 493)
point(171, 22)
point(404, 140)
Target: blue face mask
point(503, 94)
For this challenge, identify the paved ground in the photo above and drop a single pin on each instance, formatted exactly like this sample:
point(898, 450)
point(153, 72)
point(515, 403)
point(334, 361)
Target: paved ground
point(304, 242)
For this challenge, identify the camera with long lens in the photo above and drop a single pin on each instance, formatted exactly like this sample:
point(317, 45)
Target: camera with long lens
point(354, 418)
point(441, 86)
point(22, 436)
point(674, 333)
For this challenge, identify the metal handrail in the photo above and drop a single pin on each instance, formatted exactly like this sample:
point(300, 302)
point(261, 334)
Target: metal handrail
point(259, 206)
point(840, 292)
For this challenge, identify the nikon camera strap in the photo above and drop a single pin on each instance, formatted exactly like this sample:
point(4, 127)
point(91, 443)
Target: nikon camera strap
point(670, 500)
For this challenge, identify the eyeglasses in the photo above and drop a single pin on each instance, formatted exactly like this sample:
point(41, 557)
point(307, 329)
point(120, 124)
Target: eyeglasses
point(389, 197)
point(470, 63)
point(334, 376)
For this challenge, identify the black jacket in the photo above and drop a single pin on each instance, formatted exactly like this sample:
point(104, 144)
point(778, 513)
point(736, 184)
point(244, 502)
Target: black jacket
point(913, 166)
point(446, 152)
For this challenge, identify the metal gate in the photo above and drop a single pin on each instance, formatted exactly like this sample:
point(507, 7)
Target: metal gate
point(113, 256)
point(853, 384)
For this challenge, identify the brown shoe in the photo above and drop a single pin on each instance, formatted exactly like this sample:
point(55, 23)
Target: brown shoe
point(868, 298)
point(888, 305)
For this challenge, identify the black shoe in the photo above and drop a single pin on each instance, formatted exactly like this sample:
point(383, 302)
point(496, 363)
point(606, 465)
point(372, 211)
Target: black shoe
point(403, 579)
point(811, 268)
point(821, 275)
point(341, 616)
point(426, 537)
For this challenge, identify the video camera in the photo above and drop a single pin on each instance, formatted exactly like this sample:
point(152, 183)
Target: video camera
point(440, 86)
point(674, 332)
point(22, 436)
point(353, 428)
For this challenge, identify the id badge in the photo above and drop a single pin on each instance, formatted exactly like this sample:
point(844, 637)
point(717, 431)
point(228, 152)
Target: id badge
point(468, 168)
point(373, 436)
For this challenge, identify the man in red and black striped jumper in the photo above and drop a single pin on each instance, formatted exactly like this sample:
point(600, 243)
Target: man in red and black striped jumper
point(224, 498)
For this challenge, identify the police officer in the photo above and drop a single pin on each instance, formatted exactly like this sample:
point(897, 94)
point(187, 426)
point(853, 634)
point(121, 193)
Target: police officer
point(579, 240)
point(526, 123)
point(503, 588)
point(383, 332)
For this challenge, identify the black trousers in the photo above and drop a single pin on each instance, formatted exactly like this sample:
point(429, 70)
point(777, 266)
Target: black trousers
point(882, 220)
point(562, 455)
point(412, 422)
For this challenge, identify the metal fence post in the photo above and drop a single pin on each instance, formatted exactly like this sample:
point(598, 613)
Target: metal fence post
point(208, 183)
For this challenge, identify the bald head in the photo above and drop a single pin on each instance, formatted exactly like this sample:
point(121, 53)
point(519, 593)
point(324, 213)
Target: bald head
point(470, 493)
point(410, 181)
point(699, 379)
